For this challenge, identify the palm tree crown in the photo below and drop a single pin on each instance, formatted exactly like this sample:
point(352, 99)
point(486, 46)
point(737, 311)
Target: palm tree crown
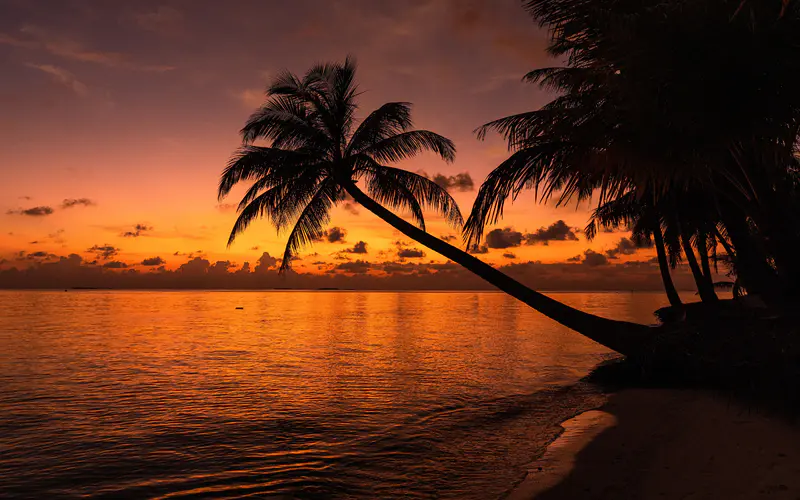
point(315, 147)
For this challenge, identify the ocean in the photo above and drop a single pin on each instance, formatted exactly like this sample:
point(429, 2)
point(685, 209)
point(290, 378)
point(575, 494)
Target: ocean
point(287, 394)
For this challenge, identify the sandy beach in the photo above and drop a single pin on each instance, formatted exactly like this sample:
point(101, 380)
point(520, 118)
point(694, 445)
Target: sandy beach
point(669, 444)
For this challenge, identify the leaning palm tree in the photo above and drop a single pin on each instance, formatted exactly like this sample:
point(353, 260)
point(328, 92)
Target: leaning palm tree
point(317, 154)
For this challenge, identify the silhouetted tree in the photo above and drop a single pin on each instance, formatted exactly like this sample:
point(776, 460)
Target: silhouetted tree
point(668, 98)
point(644, 222)
point(317, 153)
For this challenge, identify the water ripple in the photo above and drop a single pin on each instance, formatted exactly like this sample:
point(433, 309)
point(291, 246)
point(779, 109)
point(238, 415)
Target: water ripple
point(301, 395)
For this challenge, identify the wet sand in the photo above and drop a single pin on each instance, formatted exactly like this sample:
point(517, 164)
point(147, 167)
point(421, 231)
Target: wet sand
point(669, 444)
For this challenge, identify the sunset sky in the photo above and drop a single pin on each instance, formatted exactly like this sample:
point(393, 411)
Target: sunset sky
point(118, 118)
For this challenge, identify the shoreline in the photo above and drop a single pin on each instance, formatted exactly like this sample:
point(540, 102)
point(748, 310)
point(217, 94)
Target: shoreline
point(559, 457)
point(667, 443)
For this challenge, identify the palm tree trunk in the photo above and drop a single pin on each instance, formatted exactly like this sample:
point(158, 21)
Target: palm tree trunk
point(727, 246)
point(623, 337)
point(663, 265)
point(705, 265)
point(751, 263)
point(706, 295)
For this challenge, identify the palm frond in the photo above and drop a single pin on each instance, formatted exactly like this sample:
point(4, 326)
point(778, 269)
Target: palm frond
point(390, 119)
point(513, 128)
point(310, 224)
point(614, 213)
point(312, 93)
point(260, 206)
point(388, 192)
point(282, 177)
point(251, 162)
point(286, 83)
point(287, 123)
point(297, 194)
point(409, 144)
point(344, 91)
point(281, 204)
point(521, 170)
point(382, 180)
point(565, 79)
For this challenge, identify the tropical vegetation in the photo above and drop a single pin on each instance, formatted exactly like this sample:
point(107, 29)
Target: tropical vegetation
point(679, 119)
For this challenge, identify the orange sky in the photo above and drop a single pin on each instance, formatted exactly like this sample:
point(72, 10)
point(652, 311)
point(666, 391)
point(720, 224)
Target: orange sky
point(133, 109)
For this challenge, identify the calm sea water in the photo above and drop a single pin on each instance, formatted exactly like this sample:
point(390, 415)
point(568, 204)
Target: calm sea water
point(297, 395)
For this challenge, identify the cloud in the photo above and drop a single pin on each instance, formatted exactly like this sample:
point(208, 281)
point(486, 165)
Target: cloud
point(623, 228)
point(104, 252)
point(56, 236)
point(138, 230)
point(266, 262)
point(576, 258)
point(557, 231)
point(45, 270)
point(191, 255)
point(594, 259)
point(196, 266)
point(74, 202)
point(478, 249)
point(39, 38)
point(227, 207)
point(509, 238)
point(63, 77)
point(356, 267)
point(335, 235)
point(503, 238)
point(625, 246)
point(221, 267)
point(115, 264)
point(16, 42)
point(255, 248)
point(351, 207)
point(40, 255)
point(410, 253)
point(250, 98)
point(509, 255)
point(460, 182)
point(360, 247)
point(448, 237)
point(153, 261)
point(33, 212)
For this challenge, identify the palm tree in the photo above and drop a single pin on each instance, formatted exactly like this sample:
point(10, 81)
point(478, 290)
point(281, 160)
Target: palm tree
point(710, 113)
point(644, 223)
point(663, 267)
point(317, 154)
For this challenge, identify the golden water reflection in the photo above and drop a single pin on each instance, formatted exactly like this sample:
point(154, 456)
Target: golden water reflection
point(298, 393)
